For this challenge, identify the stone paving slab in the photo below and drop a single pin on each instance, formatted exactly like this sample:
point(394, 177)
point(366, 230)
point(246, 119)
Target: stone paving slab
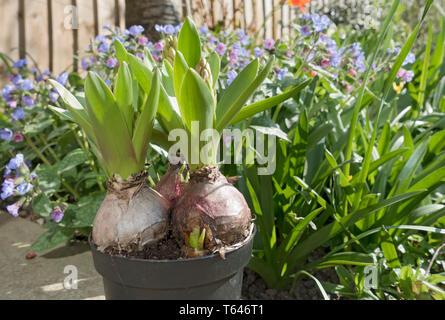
point(42, 277)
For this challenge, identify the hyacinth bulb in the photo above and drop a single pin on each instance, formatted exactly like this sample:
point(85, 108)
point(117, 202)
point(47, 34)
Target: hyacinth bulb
point(210, 202)
point(171, 185)
point(130, 213)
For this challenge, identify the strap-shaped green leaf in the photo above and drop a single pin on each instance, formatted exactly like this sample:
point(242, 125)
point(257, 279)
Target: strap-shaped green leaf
point(215, 65)
point(113, 139)
point(123, 91)
point(260, 106)
point(168, 78)
point(232, 111)
point(196, 102)
point(180, 68)
point(76, 109)
point(168, 118)
point(148, 58)
point(189, 43)
point(121, 53)
point(141, 72)
point(144, 124)
point(236, 88)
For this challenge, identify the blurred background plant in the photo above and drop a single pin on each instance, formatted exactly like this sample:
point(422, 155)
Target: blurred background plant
point(360, 160)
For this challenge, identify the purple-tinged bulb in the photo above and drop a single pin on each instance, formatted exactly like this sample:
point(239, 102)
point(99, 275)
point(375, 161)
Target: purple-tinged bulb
point(13, 209)
point(6, 134)
point(57, 215)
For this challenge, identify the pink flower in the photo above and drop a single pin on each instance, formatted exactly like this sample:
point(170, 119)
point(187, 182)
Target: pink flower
point(289, 54)
point(348, 88)
point(313, 73)
point(325, 62)
point(352, 72)
point(143, 41)
point(13, 209)
point(18, 137)
point(159, 46)
point(57, 215)
point(269, 44)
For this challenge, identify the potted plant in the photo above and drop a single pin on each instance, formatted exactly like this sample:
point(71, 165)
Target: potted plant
point(204, 214)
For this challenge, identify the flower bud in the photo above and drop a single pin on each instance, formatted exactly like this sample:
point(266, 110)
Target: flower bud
point(203, 69)
point(169, 51)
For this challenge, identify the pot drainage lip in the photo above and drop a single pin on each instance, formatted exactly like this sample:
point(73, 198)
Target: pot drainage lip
point(227, 251)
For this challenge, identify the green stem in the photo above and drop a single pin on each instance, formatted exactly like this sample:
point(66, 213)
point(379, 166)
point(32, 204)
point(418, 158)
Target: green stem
point(46, 161)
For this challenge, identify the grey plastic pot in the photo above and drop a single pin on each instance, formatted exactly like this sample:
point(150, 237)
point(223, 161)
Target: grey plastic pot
point(202, 278)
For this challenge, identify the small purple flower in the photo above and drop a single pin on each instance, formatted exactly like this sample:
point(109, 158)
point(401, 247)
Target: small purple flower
point(7, 90)
point(320, 23)
point(28, 101)
point(27, 85)
point(231, 76)
point(407, 75)
point(221, 48)
point(305, 31)
point(410, 58)
point(7, 189)
point(104, 47)
point(13, 209)
point(360, 62)
point(397, 51)
point(258, 52)
point(169, 29)
point(281, 73)
point(269, 44)
point(62, 78)
point(53, 96)
point(159, 28)
point(20, 63)
point(18, 114)
point(57, 215)
point(111, 63)
point(16, 162)
point(101, 38)
point(85, 64)
point(305, 16)
point(204, 29)
point(136, 30)
point(335, 60)
point(6, 134)
point(12, 104)
point(17, 80)
point(24, 188)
